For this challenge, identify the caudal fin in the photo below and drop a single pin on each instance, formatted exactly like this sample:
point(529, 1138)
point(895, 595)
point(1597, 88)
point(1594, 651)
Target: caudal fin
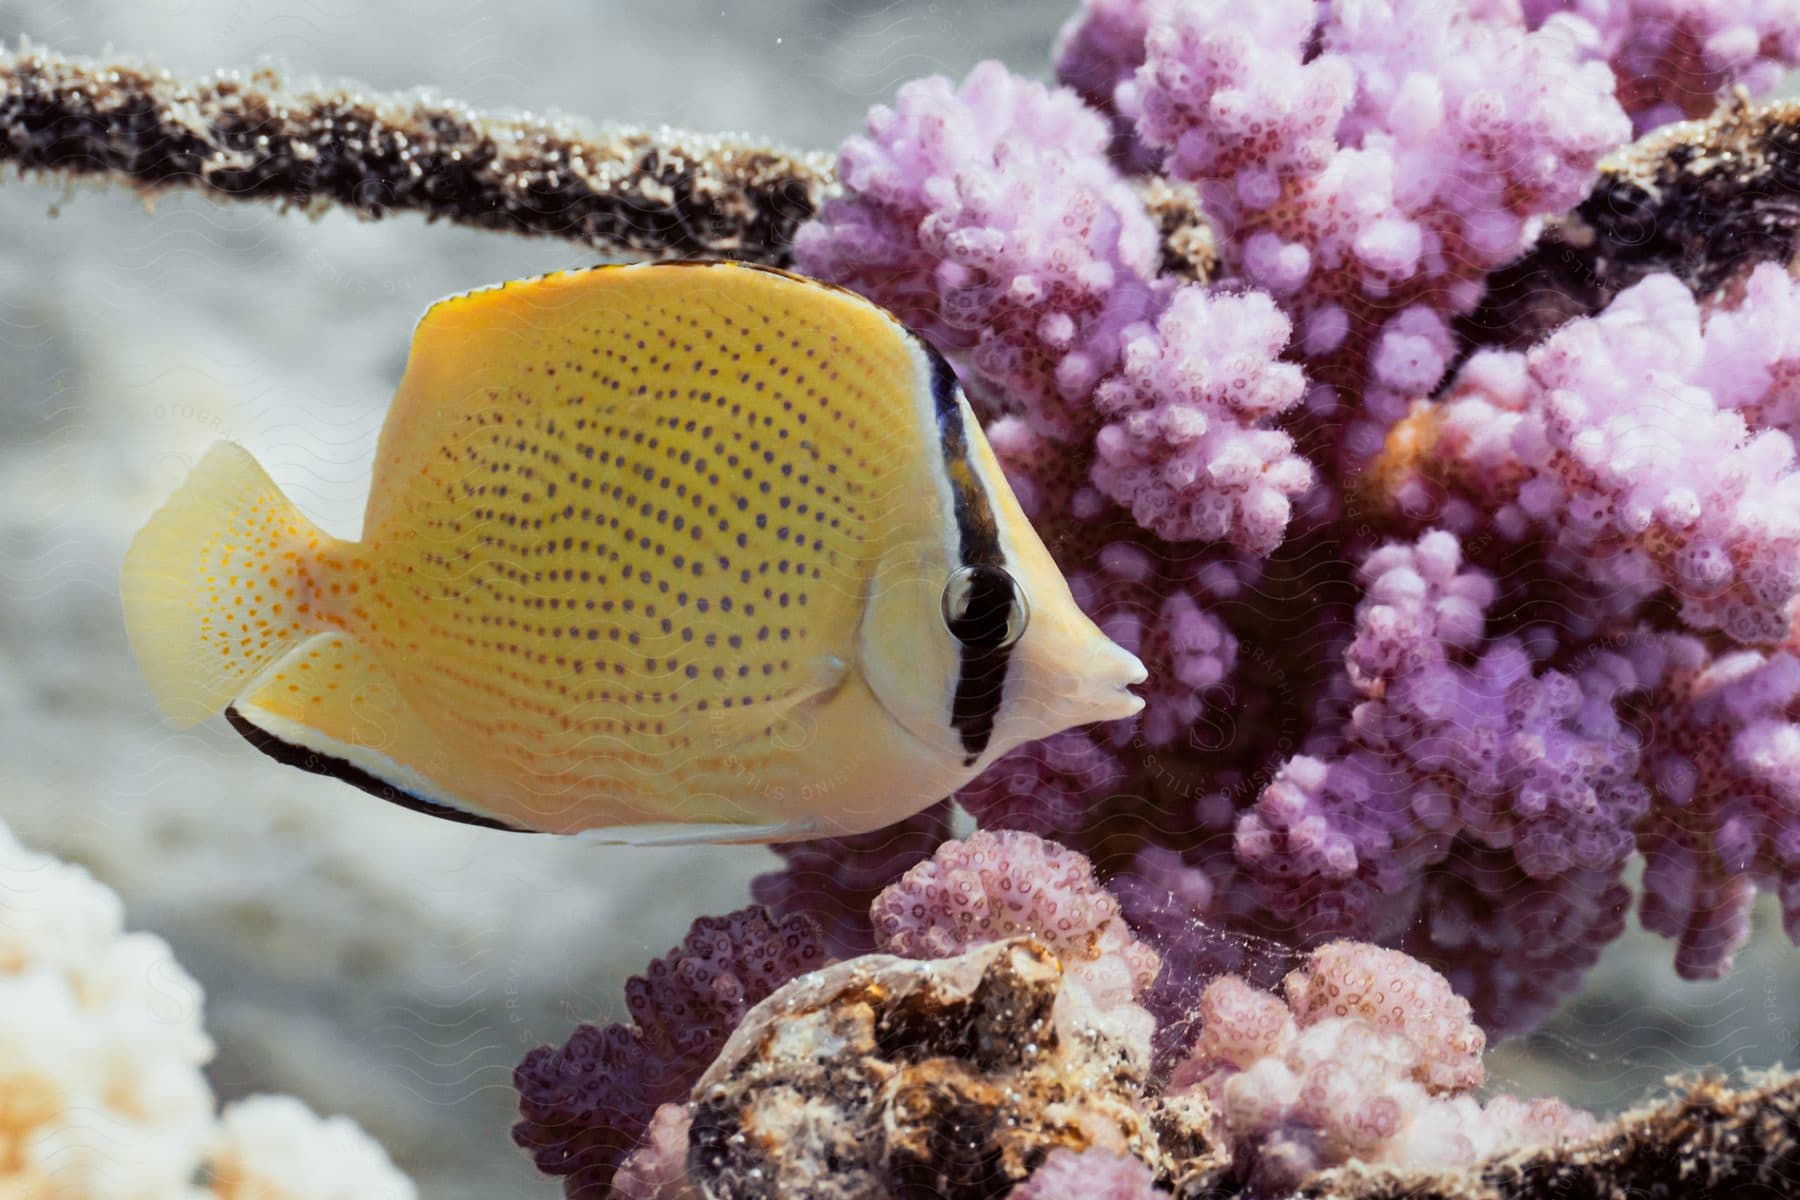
point(215, 586)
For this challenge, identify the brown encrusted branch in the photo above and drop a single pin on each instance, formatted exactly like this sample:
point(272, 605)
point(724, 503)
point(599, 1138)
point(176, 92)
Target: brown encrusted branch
point(622, 191)
point(631, 192)
point(1709, 1142)
point(1703, 200)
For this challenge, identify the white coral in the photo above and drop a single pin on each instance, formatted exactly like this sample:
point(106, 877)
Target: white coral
point(276, 1148)
point(101, 1048)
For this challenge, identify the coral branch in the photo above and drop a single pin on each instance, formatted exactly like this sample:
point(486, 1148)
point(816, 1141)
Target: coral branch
point(1705, 201)
point(626, 191)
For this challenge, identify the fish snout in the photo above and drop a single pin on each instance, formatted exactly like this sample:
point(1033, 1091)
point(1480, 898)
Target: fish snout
point(1116, 671)
point(1086, 678)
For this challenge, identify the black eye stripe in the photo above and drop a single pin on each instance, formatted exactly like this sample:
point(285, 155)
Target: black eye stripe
point(987, 610)
point(981, 681)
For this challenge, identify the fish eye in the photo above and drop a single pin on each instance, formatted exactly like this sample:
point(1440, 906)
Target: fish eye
point(984, 607)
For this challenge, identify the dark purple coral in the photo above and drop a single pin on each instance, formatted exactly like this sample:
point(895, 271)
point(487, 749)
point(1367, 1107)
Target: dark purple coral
point(585, 1104)
point(833, 880)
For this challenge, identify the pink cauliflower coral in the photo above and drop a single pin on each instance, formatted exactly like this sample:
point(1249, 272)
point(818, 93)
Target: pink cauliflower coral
point(657, 1169)
point(1186, 448)
point(1398, 994)
point(996, 885)
point(1372, 1058)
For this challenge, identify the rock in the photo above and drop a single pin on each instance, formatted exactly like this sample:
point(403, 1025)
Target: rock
point(885, 1076)
point(1195, 1159)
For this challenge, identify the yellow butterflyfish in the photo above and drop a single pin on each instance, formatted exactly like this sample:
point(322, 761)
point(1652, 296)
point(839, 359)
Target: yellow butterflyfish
point(673, 552)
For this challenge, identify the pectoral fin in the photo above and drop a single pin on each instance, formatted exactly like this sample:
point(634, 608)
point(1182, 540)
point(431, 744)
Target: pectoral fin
point(783, 718)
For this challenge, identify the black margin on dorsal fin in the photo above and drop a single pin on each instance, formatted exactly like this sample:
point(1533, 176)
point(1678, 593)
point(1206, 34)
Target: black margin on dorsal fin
point(318, 763)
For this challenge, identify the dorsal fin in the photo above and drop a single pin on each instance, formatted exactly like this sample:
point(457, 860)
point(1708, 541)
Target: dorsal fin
point(516, 343)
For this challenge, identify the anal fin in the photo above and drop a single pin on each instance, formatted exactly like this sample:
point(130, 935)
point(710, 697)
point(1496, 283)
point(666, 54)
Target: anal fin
point(328, 707)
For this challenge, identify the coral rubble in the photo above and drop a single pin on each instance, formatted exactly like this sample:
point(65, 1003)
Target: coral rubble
point(884, 1076)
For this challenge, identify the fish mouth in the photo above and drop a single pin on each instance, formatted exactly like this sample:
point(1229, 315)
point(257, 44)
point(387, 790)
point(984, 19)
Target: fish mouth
point(1116, 704)
point(1139, 672)
point(1118, 701)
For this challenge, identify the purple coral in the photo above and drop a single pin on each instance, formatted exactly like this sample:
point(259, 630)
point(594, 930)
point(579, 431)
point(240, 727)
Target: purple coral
point(1371, 1058)
point(1045, 787)
point(990, 219)
point(1608, 442)
point(833, 880)
point(1722, 750)
point(1368, 163)
point(1452, 738)
point(1674, 58)
point(1515, 945)
point(1436, 742)
point(1101, 47)
point(586, 1104)
point(1644, 456)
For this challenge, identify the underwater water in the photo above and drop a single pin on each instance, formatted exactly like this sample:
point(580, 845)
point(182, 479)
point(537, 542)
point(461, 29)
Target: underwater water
point(372, 961)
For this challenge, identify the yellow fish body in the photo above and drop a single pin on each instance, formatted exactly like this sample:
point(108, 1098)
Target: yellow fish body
point(705, 546)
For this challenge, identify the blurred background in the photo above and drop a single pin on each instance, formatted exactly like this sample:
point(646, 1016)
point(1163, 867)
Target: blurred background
point(372, 961)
